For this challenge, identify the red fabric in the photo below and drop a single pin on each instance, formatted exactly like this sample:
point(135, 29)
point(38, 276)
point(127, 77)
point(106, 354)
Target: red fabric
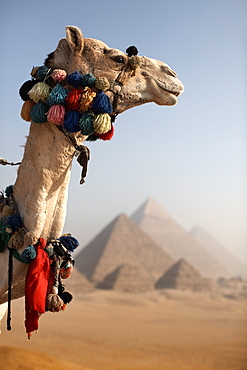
point(37, 280)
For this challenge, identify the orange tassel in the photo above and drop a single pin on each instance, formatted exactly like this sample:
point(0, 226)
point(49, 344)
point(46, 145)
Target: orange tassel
point(26, 109)
point(87, 97)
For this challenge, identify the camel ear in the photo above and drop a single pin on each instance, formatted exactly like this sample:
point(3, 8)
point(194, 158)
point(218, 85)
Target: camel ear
point(75, 38)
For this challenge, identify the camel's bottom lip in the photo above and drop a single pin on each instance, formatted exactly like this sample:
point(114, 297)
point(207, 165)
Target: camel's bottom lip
point(163, 86)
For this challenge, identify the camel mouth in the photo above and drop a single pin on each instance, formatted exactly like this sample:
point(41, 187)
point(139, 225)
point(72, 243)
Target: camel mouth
point(163, 86)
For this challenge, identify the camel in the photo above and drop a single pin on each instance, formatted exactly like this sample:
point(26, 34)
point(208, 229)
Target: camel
point(41, 187)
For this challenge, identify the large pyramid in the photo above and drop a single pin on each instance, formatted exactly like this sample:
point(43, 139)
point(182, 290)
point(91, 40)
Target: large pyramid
point(217, 250)
point(183, 276)
point(176, 241)
point(122, 242)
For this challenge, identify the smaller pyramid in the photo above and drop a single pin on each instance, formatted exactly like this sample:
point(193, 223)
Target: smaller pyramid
point(78, 283)
point(183, 276)
point(127, 278)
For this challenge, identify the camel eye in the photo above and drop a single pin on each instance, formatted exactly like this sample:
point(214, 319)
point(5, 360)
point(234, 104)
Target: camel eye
point(119, 59)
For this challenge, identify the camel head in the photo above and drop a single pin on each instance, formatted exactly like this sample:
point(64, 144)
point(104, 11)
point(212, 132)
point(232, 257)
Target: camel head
point(133, 80)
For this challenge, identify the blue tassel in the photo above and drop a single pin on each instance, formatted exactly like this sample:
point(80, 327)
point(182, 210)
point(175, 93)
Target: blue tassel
point(69, 242)
point(102, 104)
point(57, 95)
point(9, 190)
point(38, 112)
point(71, 121)
point(15, 222)
point(75, 79)
point(86, 124)
point(42, 73)
point(88, 80)
point(28, 254)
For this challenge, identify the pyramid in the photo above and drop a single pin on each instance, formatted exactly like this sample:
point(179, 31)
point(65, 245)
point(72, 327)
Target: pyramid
point(183, 276)
point(77, 283)
point(128, 278)
point(122, 242)
point(220, 253)
point(176, 241)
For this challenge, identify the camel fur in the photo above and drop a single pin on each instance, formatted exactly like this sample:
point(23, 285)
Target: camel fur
point(41, 187)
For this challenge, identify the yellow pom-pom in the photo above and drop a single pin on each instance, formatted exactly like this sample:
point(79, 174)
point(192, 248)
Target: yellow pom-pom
point(102, 123)
point(15, 242)
point(102, 83)
point(39, 92)
point(7, 211)
point(26, 109)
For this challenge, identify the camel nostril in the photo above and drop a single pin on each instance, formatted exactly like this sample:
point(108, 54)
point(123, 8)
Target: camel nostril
point(168, 71)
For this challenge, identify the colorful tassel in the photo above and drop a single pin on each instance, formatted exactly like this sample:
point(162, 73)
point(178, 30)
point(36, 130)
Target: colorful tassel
point(56, 114)
point(88, 80)
point(86, 123)
point(69, 242)
point(75, 79)
point(102, 104)
point(102, 123)
point(15, 242)
point(66, 297)
point(66, 270)
point(26, 110)
point(15, 222)
point(54, 303)
point(73, 99)
point(42, 73)
point(57, 95)
point(92, 137)
point(131, 50)
point(108, 135)
point(9, 190)
point(71, 121)
point(7, 211)
point(34, 72)
point(58, 75)
point(87, 97)
point(26, 87)
point(29, 254)
point(40, 91)
point(102, 83)
point(38, 112)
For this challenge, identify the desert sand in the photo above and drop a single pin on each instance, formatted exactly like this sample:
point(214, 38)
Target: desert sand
point(162, 329)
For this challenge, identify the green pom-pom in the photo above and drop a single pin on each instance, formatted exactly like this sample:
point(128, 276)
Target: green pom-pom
point(88, 80)
point(38, 112)
point(86, 124)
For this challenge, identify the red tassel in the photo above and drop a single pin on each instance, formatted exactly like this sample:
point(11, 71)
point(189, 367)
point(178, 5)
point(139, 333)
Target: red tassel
point(73, 99)
point(108, 135)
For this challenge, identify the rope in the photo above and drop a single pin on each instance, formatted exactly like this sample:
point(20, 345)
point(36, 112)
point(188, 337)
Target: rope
point(9, 289)
point(4, 162)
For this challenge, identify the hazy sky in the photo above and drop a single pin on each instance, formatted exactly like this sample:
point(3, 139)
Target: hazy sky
point(190, 158)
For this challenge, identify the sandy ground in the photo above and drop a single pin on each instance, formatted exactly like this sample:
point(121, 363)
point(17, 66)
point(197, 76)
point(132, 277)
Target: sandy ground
point(166, 329)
